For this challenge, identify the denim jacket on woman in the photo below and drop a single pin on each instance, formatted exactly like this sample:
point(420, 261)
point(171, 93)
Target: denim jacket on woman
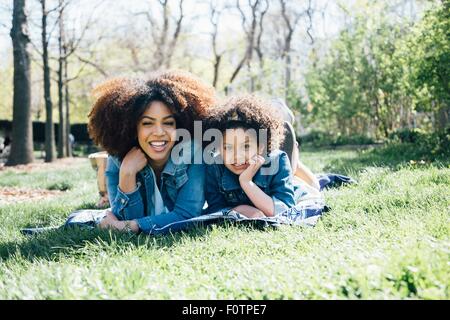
point(182, 190)
point(223, 191)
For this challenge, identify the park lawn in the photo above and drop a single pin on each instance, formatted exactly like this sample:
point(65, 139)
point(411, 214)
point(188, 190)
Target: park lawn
point(385, 238)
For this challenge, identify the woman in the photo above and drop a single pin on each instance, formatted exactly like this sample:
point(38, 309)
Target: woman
point(136, 122)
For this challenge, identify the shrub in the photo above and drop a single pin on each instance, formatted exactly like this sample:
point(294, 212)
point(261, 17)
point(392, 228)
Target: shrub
point(62, 186)
point(325, 139)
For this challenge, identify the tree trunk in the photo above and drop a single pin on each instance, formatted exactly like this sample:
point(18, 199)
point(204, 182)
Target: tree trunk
point(216, 70)
point(287, 73)
point(49, 130)
point(442, 118)
point(67, 101)
point(62, 150)
point(22, 129)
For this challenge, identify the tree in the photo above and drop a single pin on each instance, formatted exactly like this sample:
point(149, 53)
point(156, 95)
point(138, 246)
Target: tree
point(62, 133)
point(22, 133)
point(258, 9)
point(49, 129)
point(68, 46)
point(291, 21)
point(164, 43)
point(214, 19)
point(431, 61)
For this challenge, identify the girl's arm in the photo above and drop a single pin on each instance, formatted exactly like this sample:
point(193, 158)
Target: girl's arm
point(259, 199)
point(281, 195)
point(215, 199)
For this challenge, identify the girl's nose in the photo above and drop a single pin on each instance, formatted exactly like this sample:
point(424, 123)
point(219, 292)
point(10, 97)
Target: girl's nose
point(239, 158)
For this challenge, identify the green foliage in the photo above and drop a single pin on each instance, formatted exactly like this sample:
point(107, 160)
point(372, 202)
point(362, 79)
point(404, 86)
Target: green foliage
point(378, 73)
point(406, 135)
point(432, 145)
point(430, 56)
point(317, 138)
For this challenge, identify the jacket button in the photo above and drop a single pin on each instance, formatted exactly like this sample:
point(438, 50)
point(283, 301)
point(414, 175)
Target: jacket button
point(123, 200)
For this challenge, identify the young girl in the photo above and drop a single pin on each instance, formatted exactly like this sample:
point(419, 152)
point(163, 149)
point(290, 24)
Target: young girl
point(250, 174)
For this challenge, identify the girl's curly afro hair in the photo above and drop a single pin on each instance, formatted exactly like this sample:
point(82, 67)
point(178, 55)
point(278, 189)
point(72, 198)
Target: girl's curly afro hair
point(120, 102)
point(249, 112)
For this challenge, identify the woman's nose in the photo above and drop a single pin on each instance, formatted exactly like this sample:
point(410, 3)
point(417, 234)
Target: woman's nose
point(158, 130)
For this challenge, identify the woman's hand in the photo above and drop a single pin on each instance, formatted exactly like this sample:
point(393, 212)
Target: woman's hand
point(111, 222)
point(134, 161)
point(108, 222)
point(254, 164)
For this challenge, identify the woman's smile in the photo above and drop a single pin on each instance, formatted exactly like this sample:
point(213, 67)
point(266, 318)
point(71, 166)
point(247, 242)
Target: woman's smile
point(158, 146)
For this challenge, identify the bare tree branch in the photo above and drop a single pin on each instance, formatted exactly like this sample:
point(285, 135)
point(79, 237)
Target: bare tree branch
point(260, 33)
point(309, 12)
point(257, 14)
point(175, 35)
point(93, 64)
point(214, 19)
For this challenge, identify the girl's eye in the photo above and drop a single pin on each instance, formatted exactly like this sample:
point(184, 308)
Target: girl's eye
point(170, 123)
point(147, 123)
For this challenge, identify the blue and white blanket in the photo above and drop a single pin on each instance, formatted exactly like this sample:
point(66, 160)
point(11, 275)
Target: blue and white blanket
point(307, 212)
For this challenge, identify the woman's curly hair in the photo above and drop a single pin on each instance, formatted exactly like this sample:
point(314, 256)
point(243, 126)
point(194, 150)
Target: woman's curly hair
point(249, 112)
point(120, 102)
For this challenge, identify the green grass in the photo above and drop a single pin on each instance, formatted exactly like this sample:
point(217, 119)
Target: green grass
point(387, 237)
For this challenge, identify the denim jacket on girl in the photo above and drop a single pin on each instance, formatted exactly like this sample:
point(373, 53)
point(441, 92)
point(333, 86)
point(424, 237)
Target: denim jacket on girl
point(182, 190)
point(223, 191)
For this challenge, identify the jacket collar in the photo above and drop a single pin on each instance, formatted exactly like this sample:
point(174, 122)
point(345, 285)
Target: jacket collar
point(169, 169)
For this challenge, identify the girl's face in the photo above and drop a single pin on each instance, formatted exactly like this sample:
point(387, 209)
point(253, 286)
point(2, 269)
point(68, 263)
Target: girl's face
point(156, 131)
point(238, 147)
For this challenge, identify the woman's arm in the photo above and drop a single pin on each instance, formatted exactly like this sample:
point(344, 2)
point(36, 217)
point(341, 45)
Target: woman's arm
point(189, 203)
point(125, 203)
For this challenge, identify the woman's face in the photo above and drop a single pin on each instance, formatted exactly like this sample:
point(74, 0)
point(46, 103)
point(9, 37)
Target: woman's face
point(156, 131)
point(239, 146)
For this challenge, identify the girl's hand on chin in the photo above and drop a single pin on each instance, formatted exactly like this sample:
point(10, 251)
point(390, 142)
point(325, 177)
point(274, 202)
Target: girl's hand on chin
point(254, 164)
point(134, 161)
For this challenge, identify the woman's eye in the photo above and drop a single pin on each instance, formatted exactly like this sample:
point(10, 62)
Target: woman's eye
point(171, 123)
point(147, 123)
